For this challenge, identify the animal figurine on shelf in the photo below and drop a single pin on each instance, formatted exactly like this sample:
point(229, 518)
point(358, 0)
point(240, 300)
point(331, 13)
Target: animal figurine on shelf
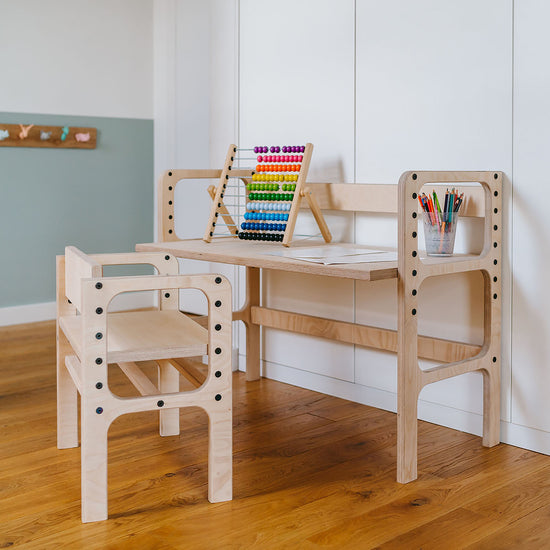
point(24, 134)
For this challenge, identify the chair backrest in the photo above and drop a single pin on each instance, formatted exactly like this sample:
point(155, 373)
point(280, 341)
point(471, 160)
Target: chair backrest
point(78, 266)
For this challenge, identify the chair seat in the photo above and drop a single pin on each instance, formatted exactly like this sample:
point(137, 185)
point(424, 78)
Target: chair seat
point(143, 335)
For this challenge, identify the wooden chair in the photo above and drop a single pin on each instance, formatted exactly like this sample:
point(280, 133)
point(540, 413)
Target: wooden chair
point(89, 338)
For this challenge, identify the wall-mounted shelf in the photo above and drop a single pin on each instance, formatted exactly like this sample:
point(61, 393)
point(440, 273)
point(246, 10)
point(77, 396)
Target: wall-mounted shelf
point(59, 137)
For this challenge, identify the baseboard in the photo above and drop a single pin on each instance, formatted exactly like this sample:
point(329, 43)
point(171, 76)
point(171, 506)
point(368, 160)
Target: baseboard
point(464, 421)
point(525, 437)
point(234, 359)
point(33, 313)
point(30, 313)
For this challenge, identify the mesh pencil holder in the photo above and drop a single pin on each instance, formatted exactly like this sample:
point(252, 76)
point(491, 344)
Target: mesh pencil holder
point(440, 232)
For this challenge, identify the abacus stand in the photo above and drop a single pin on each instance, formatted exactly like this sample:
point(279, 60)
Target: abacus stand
point(301, 191)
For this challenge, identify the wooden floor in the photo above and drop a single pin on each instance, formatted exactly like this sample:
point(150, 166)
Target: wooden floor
point(310, 471)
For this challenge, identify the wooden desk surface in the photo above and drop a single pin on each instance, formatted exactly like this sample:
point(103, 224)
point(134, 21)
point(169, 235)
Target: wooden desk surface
point(229, 250)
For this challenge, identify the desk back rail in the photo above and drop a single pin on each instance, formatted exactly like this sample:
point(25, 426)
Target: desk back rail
point(343, 197)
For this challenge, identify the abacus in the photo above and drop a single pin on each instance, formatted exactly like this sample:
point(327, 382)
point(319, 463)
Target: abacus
point(267, 206)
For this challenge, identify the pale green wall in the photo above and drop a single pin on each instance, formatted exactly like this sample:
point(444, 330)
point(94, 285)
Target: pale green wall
point(100, 200)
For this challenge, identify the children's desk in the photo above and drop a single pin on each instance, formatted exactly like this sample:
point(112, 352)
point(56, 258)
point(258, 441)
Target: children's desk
point(410, 270)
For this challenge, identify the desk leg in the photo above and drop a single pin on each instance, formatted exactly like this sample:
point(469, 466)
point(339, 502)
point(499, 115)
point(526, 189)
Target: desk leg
point(407, 389)
point(252, 330)
point(491, 407)
point(491, 375)
point(407, 431)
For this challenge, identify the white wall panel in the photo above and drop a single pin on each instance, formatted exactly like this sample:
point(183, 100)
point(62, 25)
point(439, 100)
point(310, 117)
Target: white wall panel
point(459, 318)
point(317, 296)
point(297, 80)
point(433, 86)
point(531, 240)
point(433, 92)
point(224, 78)
point(195, 109)
point(77, 58)
point(297, 85)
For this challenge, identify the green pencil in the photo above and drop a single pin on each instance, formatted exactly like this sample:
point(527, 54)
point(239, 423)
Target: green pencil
point(436, 201)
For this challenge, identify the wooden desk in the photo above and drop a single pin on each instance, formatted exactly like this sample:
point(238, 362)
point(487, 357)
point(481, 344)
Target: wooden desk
point(410, 271)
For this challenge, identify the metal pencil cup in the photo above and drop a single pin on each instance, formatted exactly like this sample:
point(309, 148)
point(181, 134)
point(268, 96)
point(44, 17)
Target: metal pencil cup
point(440, 232)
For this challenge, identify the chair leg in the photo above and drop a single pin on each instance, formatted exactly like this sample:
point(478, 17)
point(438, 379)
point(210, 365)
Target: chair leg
point(67, 401)
point(169, 382)
point(94, 465)
point(220, 456)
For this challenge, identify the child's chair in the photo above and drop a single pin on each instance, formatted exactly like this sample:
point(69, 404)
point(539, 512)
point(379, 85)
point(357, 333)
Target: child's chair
point(89, 339)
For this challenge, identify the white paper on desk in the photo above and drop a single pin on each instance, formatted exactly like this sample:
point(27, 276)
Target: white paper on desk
point(334, 254)
point(376, 256)
point(323, 252)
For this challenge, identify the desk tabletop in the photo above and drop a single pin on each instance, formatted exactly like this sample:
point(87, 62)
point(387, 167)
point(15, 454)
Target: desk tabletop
point(228, 250)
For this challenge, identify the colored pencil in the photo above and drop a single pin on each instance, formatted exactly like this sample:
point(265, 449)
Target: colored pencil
point(429, 203)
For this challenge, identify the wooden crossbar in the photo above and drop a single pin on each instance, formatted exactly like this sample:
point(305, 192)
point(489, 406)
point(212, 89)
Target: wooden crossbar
point(436, 349)
point(191, 369)
point(138, 378)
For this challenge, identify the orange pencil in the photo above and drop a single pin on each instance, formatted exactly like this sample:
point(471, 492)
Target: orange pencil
point(432, 211)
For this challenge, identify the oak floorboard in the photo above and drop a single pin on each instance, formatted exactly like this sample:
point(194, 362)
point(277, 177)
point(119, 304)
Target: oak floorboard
point(451, 531)
point(310, 471)
point(515, 500)
point(531, 532)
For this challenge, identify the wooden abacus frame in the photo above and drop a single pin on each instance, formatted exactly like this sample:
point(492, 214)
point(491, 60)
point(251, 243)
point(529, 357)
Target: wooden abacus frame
point(219, 208)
